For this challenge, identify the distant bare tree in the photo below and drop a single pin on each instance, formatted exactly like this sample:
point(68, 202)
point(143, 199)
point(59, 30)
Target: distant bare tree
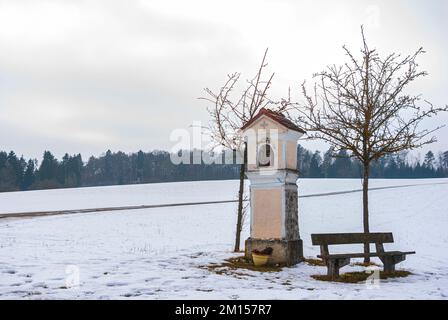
point(229, 111)
point(361, 107)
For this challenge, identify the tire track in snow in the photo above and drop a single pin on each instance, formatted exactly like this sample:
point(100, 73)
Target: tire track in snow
point(182, 204)
point(370, 189)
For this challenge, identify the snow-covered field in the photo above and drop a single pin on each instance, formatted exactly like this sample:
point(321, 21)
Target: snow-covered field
point(159, 253)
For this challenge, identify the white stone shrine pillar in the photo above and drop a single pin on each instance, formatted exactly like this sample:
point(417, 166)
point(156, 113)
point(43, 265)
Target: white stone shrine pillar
point(272, 171)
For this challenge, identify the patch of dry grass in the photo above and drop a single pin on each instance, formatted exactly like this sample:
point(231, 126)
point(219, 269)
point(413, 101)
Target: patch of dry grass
point(315, 262)
point(355, 277)
point(321, 263)
point(365, 264)
point(234, 266)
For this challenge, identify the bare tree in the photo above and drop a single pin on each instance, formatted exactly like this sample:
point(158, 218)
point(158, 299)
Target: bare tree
point(361, 106)
point(229, 111)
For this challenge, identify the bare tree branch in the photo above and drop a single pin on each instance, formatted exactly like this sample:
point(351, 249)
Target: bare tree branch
point(362, 107)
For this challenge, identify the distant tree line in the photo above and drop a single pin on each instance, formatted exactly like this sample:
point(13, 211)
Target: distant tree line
point(394, 166)
point(119, 168)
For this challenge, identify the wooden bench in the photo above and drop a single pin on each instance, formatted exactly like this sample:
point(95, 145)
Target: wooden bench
point(336, 261)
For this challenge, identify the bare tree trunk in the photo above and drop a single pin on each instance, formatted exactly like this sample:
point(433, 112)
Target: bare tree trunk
point(365, 207)
point(239, 222)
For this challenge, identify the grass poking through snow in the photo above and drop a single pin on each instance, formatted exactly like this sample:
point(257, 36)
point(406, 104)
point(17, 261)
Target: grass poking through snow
point(360, 276)
point(234, 266)
point(315, 262)
point(365, 264)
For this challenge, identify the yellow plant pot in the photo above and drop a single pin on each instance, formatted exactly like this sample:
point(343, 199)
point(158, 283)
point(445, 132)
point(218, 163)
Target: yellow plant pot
point(260, 259)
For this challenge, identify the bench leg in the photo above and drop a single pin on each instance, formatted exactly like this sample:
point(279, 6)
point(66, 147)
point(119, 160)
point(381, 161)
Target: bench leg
point(333, 266)
point(332, 269)
point(389, 265)
point(389, 262)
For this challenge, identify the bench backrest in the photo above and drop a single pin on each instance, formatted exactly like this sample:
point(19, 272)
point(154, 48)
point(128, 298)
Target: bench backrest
point(351, 238)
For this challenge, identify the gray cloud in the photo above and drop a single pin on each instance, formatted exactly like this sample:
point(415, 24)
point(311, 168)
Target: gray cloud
point(84, 76)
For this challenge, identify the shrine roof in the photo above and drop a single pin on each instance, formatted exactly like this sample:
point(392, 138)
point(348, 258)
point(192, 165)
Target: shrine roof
point(277, 117)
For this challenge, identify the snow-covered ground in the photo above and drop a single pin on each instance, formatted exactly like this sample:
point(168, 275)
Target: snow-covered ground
point(164, 193)
point(159, 253)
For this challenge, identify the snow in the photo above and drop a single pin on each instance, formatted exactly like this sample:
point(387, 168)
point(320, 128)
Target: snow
point(164, 193)
point(160, 253)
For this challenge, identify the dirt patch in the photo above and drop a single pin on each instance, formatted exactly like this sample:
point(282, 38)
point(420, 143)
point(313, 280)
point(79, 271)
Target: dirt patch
point(204, 290)
point(234, 266)
point(365, 264)
point(355, 277)
point(315, 262)
point(321, 263)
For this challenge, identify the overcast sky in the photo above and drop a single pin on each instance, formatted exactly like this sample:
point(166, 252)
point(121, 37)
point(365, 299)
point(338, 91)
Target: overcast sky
point(87, 76)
